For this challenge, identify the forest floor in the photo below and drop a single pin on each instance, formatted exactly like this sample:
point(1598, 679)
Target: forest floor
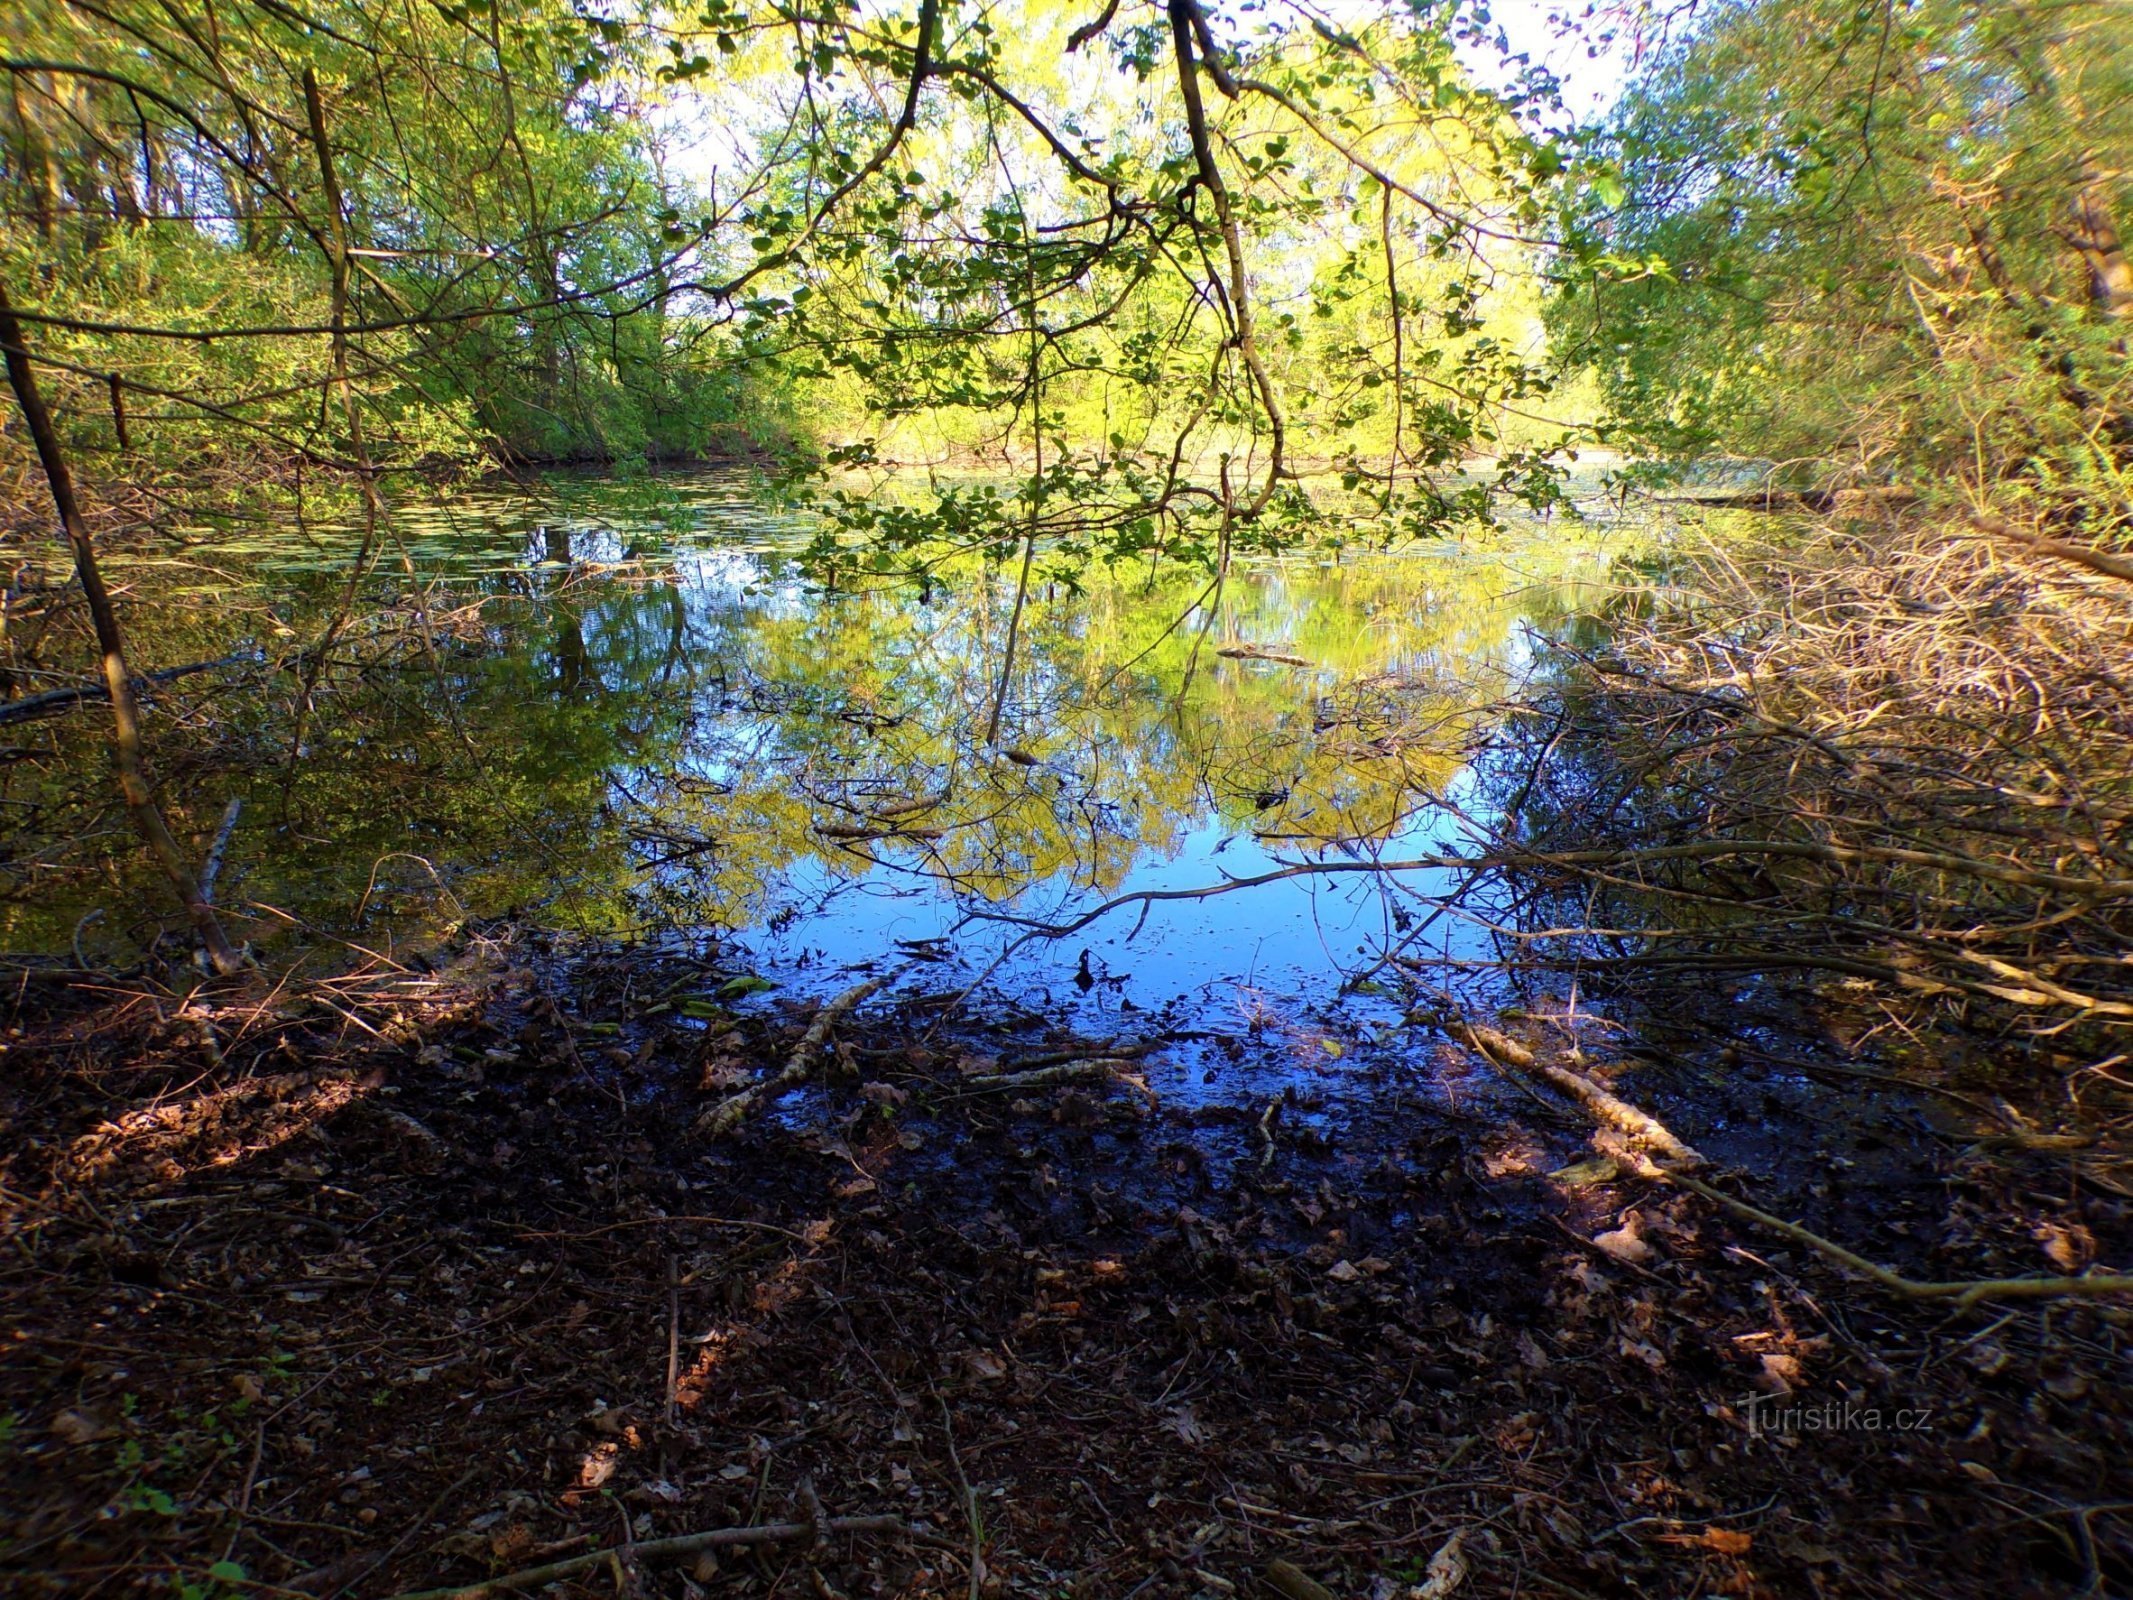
point(407, 1280)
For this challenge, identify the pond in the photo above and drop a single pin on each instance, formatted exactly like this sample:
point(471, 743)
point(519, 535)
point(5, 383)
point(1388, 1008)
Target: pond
point(623, 709)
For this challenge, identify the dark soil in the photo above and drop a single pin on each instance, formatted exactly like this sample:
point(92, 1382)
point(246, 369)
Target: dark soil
point(401, 1281)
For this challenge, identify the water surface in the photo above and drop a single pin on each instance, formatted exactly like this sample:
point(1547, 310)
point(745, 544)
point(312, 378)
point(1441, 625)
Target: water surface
point(624, 709)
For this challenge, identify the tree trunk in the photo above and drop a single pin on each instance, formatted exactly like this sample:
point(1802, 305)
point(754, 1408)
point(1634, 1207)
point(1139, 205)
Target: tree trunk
point(125, 712)
point(2095, 236)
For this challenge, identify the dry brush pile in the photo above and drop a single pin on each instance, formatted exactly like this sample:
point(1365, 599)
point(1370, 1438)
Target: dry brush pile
point(1889, 760)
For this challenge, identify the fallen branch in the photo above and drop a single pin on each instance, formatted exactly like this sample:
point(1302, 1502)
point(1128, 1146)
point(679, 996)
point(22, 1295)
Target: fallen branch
point(1091, 1050)
point(1963, 1293)
point(885, 830)
point(1605, 1108)
point(1772, 498)
point(798, 1068)
point(659, 1549)
point(1700, 850)
point(212, 869)
point(971, 1513)
point(1100, 1069)
point(1252, 652)
point(2058, 549)
point(1645, 1130)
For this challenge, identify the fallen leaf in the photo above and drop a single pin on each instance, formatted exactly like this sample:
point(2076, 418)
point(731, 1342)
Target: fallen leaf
point(610, 1420)
point(1719, 1541)
point(1626, 1243)
point(1650, 1355)
point(598, 1465)
point(78, 1427)
point(1781, 1373)
point(1446, 1570)
point(724, 1072)
point(2068, 1249)
point(1584, 1174)
point(1343, 1272)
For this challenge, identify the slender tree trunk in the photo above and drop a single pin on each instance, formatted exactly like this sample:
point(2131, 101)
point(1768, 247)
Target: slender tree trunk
point(134, 786)
point(2102, 251)
point(33, 166)
point(117, 386)
point(1036, 506)
point(1185, 18)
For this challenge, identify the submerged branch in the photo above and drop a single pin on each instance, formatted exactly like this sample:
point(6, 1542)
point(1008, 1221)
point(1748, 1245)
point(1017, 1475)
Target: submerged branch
point(49, 702)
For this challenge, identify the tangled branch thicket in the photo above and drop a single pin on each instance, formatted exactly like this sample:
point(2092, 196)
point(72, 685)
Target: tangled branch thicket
point(1881, 755)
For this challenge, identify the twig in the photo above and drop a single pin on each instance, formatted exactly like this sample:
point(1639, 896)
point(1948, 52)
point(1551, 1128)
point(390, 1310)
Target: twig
point(244, 1496)
point(673, 1335)
point(1253, 652)
point(2058, 549)
point(1963, 1293)
point(1104, 1069)
point(659, 1549)
point(1294, 1582)
point(87, 917)
point(970, 1501)
point(407, 1535)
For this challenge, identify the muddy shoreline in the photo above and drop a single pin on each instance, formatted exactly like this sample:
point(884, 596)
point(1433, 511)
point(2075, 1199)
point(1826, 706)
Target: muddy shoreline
point(404, 1280)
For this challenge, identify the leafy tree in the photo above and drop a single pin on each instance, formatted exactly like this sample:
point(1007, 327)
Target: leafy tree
point(1873, 239)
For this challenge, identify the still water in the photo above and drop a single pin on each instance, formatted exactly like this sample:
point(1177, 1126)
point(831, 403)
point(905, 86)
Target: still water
point(623, 709)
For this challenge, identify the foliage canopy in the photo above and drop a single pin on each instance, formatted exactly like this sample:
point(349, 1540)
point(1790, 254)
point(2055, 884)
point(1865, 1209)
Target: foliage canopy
point(1870, 240)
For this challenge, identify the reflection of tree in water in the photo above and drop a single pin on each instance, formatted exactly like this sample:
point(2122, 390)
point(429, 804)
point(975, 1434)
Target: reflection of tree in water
point(669, 734)
point(857, 738)
point(572, 667)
